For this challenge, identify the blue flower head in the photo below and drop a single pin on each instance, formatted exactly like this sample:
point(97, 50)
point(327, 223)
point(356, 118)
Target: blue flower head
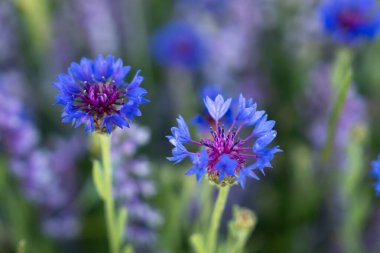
point(94, 94)
point(350, 21)
point(226, 157)
point(376, 173)
point(178, 44)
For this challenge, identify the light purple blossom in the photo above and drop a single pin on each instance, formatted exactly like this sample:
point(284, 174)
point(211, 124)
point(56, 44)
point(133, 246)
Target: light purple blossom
point(133, 187)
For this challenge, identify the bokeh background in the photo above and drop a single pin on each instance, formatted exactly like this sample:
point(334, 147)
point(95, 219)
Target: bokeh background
point(274, 51)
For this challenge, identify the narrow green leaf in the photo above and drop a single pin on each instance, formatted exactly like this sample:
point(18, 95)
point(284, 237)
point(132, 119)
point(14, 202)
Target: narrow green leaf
point(97, 176)
point(122, 220)
point(197, 243)
point(341, 79)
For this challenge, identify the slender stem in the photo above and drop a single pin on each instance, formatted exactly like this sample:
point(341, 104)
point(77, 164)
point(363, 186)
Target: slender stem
point(343, 81)
point(105, 145)
point(220, 204)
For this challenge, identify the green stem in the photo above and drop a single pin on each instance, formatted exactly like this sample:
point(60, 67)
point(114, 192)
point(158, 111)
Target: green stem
point(220, 204)
point(105, 145)
point(343, 79)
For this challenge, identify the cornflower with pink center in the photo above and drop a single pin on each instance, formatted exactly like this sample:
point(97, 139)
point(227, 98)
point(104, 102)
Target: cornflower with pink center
point(225, 157)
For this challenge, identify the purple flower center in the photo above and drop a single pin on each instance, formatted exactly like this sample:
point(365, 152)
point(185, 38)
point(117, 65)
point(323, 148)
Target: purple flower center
point(350, 19)
point(100, 99)
point(222, 143)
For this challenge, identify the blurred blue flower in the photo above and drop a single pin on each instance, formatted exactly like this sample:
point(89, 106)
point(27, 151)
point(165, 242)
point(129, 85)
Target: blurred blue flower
point(376, 173)
point(95, 94)
point(349, 21)
point(225, 158)
point(178, 44)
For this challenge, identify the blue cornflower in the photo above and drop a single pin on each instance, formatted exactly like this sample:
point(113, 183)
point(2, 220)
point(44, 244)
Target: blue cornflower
point(224, 157)
point(349, 21)
point(376, 173)
point(178, 44)
point(95, 94)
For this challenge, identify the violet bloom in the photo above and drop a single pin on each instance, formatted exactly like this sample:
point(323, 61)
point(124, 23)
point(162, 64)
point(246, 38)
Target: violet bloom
point(61, 226)
point(95, 16)
point(133, 188)
point(95, 94)
point(48, 180)
point(10, 32)
point(349, 21)
point(225, 157)
point(18, 134)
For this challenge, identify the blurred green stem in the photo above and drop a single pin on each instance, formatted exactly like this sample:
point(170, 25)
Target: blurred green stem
point(105, 145)
point(206, 202)
point(17, 218)
point(21, 247)
point(356, 199)
point(341, 79)
point(220, 204)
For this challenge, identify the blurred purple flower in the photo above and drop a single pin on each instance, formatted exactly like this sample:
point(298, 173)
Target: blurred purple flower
point(61, 226)
point(18, 134)
point(133, 187)
point(128, 143)
point(233, 37)
point(96, 16)
point(211, 6)
point(48, 179)
point(9, 32)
